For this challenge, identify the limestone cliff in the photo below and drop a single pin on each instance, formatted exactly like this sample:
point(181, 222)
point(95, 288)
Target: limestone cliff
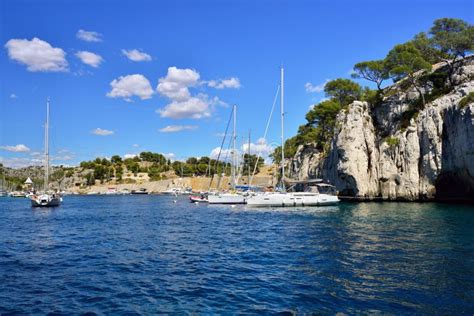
point(397, 152)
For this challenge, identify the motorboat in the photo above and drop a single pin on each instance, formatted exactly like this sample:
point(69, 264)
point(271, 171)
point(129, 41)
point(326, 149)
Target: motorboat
point(140, 191)
point(201, 198)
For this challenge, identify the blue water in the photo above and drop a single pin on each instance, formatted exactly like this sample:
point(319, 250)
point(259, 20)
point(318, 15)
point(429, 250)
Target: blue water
point(147, 254)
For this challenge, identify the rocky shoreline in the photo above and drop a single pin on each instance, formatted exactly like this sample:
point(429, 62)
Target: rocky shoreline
point(390, 152)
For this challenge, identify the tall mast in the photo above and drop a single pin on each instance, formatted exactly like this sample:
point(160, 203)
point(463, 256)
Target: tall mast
point(234, 156)
point(249, 160)
point(46, 148)
point(282, 128)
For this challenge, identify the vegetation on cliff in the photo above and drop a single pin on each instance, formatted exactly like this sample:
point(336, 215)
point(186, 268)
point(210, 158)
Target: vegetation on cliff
point(409, 64)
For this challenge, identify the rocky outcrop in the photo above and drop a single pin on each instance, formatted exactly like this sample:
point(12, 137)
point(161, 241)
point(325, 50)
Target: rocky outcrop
point(396, 152)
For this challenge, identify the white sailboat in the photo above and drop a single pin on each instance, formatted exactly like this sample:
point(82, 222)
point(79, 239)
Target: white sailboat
point(311, 195)
point(46, 199)
point(230, 197)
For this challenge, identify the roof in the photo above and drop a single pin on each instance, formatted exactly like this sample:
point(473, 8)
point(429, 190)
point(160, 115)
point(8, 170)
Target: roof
point(28, 181)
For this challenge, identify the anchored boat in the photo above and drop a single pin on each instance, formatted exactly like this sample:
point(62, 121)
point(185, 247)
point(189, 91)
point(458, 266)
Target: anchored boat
point(46, 199)
point(309, 196)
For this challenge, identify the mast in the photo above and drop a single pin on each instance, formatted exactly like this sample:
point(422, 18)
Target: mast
point(249, 160)
point(282, 113)
point(234, 157)
point(46, 148)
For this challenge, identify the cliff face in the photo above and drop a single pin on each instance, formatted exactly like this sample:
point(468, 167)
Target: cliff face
point(398, 153)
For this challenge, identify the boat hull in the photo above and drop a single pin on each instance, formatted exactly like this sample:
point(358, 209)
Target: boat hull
point(292, 199)
point(45, 201)
point(227, 199)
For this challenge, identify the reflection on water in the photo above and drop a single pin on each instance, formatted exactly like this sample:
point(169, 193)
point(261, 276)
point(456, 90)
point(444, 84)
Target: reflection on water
point(146, 254)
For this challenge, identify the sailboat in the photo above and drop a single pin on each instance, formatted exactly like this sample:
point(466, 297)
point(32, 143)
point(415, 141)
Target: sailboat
point(230, 197)
point(46, 199)
point(3, 192)
point(310, 196)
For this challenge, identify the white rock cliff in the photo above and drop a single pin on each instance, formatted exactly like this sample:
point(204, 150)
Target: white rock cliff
point(430, 155)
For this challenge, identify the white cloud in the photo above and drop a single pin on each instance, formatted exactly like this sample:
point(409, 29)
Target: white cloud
point(20, 148)
point(89, 36)
point(20, 162)
point(126, 156)
point(13, 96)
point(226, 154)
point(136, 55)
point(129, 86)
point(177, 128)
point(89, 58)
point(136, 145)
point(318, 88)
point(102, 132)
point(194, 107)
point(260, 148)
point(37, 55)
point(232, 83)
point(175, 85)
point(170, 156)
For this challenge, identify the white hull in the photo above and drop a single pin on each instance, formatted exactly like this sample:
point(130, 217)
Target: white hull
point(45, 200)
point(226, 198)
point(292, 199)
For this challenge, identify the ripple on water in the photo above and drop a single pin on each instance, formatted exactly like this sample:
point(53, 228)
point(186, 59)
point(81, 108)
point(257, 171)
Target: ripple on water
point(147, 255)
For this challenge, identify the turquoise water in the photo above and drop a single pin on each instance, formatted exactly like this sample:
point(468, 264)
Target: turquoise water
point(151, 254)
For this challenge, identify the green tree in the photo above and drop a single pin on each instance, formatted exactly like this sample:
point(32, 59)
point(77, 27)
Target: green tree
point(404, 61)
point(249, 164)
point(425, 45)
point(192, 160)
point(375, 71)
point(344, 91)
point(323, 116)
point(116, 159)
point(454, 38)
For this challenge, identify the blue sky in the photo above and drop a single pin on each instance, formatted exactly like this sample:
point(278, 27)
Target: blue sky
point(187, 62)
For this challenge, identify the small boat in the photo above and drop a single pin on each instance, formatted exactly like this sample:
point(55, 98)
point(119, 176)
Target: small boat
point(172, 191)
point(46, 199)
point(112, 191)
point(140, 191)
point(201, 198)
point(17, 194)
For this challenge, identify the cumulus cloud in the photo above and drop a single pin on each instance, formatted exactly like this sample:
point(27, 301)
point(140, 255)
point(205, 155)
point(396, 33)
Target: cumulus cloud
point(226, 154)
point(177, 128)
point(13, 96)
point(89, 36)
point(232, 83)
point(37, 55)
point(260, 148)
point(315, 88)
point(102, 132)
point(20, 148)
point(175, 85)
point(194, 107)
point(89, 58)
point(126, 156)
point(129, 86)
point(136, 55)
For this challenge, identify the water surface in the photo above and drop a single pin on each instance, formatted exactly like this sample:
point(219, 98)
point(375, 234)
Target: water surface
point(150, 254)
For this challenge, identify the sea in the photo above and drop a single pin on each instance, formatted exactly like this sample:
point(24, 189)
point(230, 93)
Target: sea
point(150, 254)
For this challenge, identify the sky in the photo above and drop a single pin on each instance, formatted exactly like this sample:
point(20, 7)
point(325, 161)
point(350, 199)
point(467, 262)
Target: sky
point(130, 76)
